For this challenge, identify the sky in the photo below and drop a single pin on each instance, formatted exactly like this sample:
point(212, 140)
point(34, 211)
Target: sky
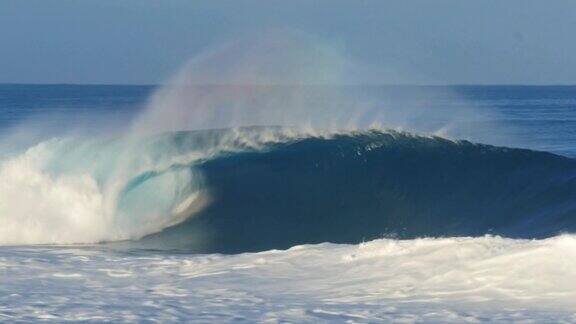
point(390, 42)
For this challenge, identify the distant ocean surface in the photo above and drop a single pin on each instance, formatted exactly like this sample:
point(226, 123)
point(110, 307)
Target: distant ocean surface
point(457, 205)
point(536, 117)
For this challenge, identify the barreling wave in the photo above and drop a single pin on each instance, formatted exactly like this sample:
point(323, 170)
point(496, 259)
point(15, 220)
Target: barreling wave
point(263, 188)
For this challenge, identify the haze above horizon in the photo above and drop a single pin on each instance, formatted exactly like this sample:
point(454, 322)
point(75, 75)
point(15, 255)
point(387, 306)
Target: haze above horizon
point(389, 42)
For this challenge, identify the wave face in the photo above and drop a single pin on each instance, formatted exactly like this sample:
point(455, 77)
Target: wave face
point(357, 187)
point(257, 189)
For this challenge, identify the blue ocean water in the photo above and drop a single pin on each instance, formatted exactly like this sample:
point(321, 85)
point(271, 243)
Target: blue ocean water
point(444, 210)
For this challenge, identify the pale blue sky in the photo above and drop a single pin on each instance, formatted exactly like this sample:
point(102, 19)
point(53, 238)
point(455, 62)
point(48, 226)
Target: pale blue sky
point(403, 41)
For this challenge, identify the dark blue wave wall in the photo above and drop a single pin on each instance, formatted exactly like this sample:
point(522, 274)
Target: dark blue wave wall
point(364, 186)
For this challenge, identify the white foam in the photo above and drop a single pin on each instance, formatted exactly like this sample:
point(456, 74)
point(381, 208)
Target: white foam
point(38, 208)
point(425, 280)
point(53, 194)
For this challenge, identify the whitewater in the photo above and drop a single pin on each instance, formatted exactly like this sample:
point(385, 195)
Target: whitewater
point(424, 280)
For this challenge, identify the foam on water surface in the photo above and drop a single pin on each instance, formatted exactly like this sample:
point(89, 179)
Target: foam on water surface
point(424, 280)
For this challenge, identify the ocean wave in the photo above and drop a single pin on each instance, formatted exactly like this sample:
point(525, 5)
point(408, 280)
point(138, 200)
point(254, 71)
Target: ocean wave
point(256, 189)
